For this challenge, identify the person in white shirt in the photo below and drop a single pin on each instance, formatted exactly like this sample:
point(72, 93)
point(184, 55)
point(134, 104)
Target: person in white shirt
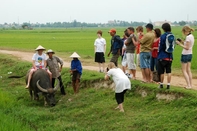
point(38, 62)
point(186, 56)
point(124, 58)
point(122, 83)
point(99, 50)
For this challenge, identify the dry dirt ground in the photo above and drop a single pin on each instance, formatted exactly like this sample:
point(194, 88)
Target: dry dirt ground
point(176, 80)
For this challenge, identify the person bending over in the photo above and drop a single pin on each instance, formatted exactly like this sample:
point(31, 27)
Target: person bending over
point(122, 83)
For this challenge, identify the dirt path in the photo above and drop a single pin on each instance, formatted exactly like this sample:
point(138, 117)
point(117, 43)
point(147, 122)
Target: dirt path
point(176, 80)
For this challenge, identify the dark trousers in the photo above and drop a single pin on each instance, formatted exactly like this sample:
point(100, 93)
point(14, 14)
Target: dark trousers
point(120, 97)
point(61, 84)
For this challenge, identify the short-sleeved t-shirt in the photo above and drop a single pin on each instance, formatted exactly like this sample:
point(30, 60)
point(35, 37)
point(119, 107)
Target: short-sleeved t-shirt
point(155, 51)
point(39, 59)
point(190, 39)
point(147, 41)
point(99, 44)
point(130, 46)
point(121, 81)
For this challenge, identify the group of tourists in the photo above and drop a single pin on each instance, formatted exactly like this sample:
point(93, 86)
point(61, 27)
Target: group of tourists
point(154, 53)
point(150, 52)
point(53, 66)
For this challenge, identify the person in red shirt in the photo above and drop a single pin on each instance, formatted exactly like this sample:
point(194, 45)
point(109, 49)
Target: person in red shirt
point(154, 51)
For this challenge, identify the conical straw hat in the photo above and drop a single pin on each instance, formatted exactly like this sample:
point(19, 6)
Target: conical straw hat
point(50, 51)
point(75, 55)
point(40, 48)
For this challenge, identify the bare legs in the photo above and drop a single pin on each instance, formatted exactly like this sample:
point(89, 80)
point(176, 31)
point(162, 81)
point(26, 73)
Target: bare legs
point(120, 99)
point(143, 75)
point(124, 69)
point(168, 78)
point(76, 86)
point(29, 77)
point(146, 73)
point(31, 73)
point(133, 72)
point(103, 65)
point(186, 69)
point(120, 106)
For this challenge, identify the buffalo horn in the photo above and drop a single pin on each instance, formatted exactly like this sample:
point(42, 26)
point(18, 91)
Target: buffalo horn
point(39, 87)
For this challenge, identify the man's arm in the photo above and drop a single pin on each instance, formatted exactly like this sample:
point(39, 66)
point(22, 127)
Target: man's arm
point(128, 40)
point(134, 39)
point(60, 62)
point(45, 63)
point(109, 51)
point(94, 49)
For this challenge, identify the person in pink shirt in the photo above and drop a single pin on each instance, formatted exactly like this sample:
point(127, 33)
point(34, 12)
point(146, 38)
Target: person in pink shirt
point(186, 56)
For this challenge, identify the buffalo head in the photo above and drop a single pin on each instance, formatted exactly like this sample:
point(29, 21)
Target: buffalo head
point(49, 93)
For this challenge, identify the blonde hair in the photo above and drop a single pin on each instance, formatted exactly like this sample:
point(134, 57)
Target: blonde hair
point(111, 65)
point(187, 29)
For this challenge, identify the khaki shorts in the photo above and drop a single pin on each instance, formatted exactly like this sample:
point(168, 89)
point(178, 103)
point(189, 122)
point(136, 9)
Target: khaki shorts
point(114, 59)
point(131, 61)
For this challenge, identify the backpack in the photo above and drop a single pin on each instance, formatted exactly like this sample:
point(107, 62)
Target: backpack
point(170, 43)
point(117, 45)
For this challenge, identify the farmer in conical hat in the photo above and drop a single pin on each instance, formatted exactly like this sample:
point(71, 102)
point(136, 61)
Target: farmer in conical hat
point(55, 65)
point(76, 71)
point(38, 62)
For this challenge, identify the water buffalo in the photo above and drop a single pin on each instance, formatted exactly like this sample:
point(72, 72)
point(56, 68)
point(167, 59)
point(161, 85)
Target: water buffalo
point(40, 82)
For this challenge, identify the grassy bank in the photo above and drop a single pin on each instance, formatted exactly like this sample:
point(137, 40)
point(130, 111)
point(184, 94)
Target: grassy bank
point(93, 108)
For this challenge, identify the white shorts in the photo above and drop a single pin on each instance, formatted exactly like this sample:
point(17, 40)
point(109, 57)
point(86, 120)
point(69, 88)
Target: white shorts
point(124, 60)
point(131, 61)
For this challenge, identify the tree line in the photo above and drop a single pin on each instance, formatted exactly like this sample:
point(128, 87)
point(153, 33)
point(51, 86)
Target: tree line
point(75, 23)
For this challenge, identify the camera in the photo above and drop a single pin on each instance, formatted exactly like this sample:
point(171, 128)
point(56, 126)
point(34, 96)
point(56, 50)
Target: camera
point(179, 39)
point(107, 69)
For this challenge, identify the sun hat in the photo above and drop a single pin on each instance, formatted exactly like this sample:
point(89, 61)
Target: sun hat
point(75, 55)
point(149, 25)
point(50, 51)
point(40, 48)
point(112, 30)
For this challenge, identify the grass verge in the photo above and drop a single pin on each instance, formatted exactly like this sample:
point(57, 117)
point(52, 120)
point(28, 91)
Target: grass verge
point(93, 108)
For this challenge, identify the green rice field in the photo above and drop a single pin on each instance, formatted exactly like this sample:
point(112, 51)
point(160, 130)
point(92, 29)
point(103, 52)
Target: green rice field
point(69, 40)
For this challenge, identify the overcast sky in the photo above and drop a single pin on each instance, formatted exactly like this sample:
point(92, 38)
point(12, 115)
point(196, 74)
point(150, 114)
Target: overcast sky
point(96, 11)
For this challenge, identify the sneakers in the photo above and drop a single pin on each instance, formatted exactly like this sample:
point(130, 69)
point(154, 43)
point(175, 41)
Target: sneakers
point(160, 86)
point(101, 71)
point(168, 87)
point(188, 88)
point(129, 75)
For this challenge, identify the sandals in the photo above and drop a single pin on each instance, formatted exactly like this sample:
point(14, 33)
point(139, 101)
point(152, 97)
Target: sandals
point(188, 87)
